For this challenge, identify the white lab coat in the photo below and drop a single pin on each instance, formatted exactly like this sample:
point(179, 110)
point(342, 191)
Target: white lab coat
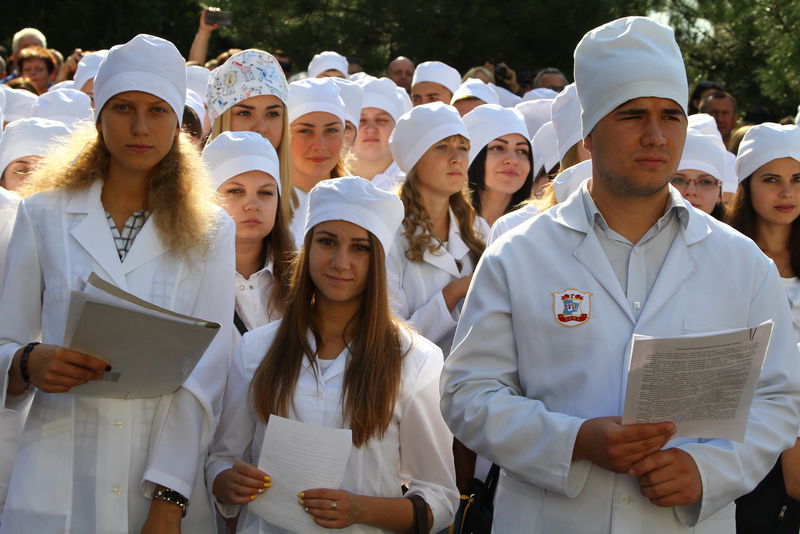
point(416, 286)
point(10, 420)
point(518, 385)
point(416, 447)
point(511, 220)
point(82, 460)
point(298, 225)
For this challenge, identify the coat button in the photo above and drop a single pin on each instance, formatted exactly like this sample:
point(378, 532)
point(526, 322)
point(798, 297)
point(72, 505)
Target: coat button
point(120, 424)
point(116, 491)
point(624, 499)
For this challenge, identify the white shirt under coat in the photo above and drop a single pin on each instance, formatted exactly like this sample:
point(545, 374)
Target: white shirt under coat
point(416, 447)
point(85, 463)
point(390, 179)
point(519, 385)
point(511, 220)
point(252, 298)
point(416, 286)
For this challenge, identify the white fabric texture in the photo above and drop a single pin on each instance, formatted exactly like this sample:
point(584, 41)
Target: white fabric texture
point(353, 97)
point(246, 74)
point(545, 148)
point(536, 113)
point(381, 93)
point(570, 180)
point(703, 153)
point(19, 103)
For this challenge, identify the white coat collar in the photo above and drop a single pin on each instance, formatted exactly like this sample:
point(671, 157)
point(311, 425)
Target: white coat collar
point(445, 258)
point(337, 367)
point(572, 213)
point(94, 235)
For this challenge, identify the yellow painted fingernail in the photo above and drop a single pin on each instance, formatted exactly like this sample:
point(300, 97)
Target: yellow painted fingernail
point(301, 495)
point(267, 485)
point(301, 501)
point(267, 479)
point(253, 497)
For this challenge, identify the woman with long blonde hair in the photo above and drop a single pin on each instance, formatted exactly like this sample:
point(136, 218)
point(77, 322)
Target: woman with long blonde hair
point(441, 238)
point(129, 200)
point(339, 358)
point(249, 93)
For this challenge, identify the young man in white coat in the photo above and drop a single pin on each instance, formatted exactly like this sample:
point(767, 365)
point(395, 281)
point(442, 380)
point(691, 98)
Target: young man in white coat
point(540, 391)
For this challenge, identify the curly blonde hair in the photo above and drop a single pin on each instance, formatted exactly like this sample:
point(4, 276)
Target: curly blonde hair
point(181, 197)
point(418, 227)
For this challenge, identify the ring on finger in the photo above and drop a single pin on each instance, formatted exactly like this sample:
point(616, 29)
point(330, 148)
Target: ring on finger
point(333, 505)
point(305, 509)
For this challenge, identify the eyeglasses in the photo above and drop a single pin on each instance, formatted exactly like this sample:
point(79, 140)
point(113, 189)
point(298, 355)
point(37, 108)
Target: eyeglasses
point(682, 184)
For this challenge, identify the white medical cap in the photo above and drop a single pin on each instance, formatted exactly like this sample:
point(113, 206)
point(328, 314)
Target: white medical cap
point(437, 72)
point(566, 116)
point(327, 61)
point(506, 97)
point(631, 57)
point(19, 104)
point(353, 97)
point(417, 131)
point(544, 147)
point(145, 63)
point(28, 137)
point(490, 121)
point(475, 88)
point(87, 68)
point(703, 153)
point(358, 201)
point(381, 93)
point(571, 179)
point(764, 143)
point(536, 113)
point(232, 153)
point(68, 106)
point(315, 94)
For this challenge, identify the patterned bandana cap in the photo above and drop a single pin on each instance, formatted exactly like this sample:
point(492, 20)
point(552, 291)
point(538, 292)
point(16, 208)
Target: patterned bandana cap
point(246, 74)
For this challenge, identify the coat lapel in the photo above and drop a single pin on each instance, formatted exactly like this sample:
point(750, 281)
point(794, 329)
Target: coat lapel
point(94, 235)
point(146, 246)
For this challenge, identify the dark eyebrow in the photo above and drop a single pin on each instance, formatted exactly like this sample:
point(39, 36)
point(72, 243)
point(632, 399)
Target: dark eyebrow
point(365, 239)
point(318, 232)
point(120, 99)
point(247, 106)
point(334, 123)
point(501, 140)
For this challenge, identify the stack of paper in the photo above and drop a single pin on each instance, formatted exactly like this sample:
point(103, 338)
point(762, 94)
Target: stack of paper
point(151, 350)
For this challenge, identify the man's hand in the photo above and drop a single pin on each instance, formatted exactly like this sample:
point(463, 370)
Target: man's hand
point(669, 478)
point(616, 447)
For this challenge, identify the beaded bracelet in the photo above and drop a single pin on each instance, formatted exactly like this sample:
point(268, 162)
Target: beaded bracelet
point(23, 361)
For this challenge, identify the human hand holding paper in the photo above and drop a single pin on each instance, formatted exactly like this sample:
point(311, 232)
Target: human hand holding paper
point(241, 484)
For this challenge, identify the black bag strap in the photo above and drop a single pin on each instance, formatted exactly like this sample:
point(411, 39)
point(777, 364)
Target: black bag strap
point(420, 514)
point(491, 482)
point(238, 323)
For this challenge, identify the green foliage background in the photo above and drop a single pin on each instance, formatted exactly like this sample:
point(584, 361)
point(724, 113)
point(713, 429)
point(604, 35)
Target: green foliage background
point(752, 45)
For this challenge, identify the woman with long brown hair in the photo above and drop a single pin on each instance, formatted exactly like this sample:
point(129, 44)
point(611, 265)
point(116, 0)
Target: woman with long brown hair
point(766, 208)
point(339, 358)
point(129, 200)
point(246, 171)
point(441, 238)
point(316, 126)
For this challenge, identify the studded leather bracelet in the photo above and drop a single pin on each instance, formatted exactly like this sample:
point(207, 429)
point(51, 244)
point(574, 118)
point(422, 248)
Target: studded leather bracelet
point(172, 496)
point(23, 361)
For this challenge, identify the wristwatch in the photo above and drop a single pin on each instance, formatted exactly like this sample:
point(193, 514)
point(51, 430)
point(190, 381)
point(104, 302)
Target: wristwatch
point(171, 496)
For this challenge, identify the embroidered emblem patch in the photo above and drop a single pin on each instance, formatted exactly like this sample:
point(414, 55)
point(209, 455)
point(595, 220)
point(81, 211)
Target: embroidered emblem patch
point(572, 307)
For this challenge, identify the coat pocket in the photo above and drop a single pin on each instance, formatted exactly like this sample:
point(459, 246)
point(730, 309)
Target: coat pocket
point(517, 507)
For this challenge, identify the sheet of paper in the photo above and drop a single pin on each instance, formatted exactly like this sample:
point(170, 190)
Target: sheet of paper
point(702, 383)
point(299, 456)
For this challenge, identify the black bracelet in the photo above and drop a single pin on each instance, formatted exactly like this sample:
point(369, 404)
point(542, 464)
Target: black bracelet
point(171, 496)
point(23, 361)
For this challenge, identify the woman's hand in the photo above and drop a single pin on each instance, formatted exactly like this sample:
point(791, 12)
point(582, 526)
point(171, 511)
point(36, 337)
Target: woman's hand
point(240, 484)
point(332, 508)
point(55, 369)
point(456, 290)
